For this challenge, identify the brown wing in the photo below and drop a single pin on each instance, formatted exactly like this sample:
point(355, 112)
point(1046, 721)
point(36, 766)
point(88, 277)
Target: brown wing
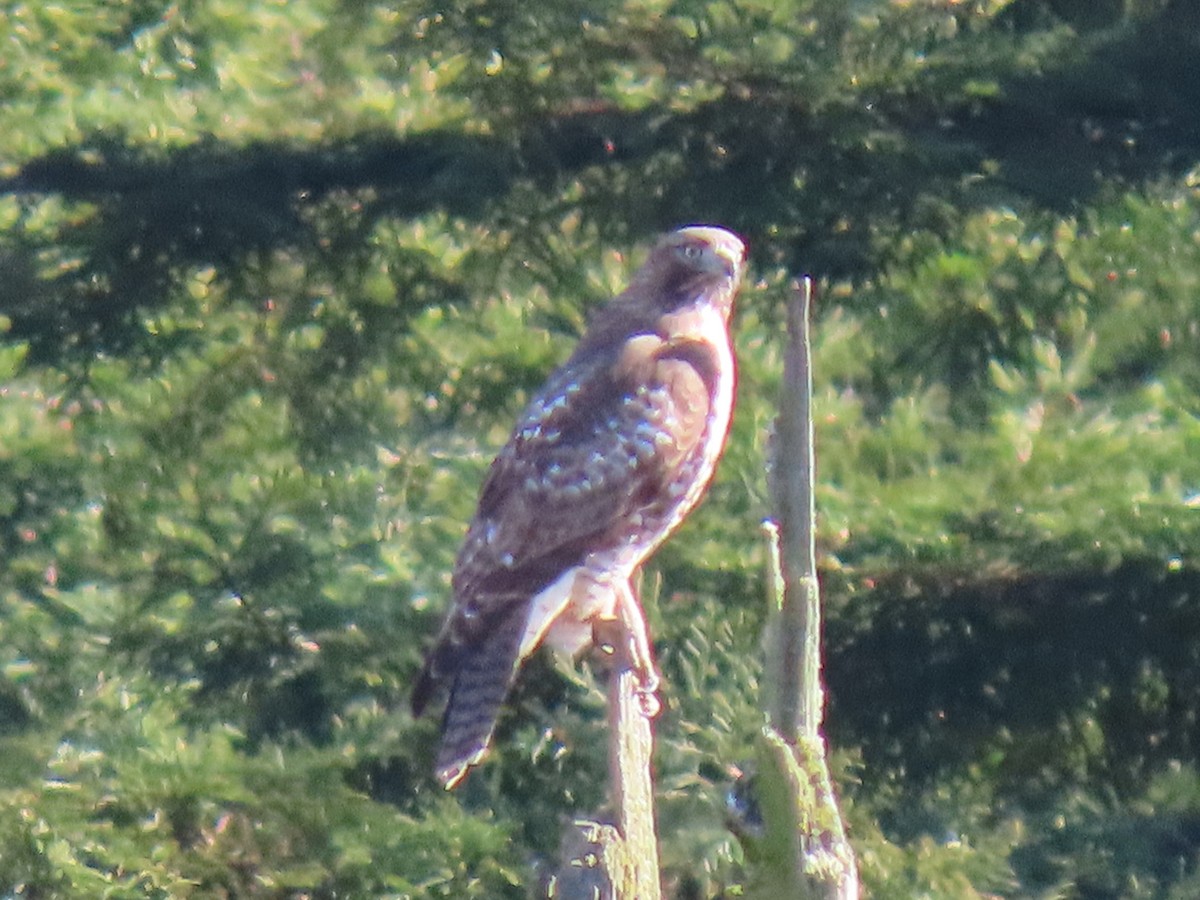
point(596, 462)
point(595, 449)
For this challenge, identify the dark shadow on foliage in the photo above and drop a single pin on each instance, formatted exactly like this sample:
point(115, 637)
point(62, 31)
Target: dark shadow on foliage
point(930, 673)
point(1098, 855)
point(1126, 111)
point(758, 159)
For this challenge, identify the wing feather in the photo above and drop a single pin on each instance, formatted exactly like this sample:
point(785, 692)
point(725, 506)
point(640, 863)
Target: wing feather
point(596, 447)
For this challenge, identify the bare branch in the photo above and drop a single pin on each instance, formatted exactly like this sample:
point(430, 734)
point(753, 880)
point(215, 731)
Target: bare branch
point(806, 851)
point(604, 861)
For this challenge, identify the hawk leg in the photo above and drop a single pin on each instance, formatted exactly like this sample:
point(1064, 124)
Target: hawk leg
point(626, 635)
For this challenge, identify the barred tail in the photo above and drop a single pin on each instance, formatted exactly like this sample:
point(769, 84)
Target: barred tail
point(482, 675)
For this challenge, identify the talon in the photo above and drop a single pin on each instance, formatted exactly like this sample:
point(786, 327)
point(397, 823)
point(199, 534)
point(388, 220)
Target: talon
point(647, 675)
point(648, 700)
point(648, 682)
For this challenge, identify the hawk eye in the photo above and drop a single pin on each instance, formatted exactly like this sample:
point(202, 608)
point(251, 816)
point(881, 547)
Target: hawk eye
point(691, 251)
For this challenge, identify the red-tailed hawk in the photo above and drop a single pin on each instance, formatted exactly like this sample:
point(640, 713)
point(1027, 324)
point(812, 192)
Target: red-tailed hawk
point(605, 462)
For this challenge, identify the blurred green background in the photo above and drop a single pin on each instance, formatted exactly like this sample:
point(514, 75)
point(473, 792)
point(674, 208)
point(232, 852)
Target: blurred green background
point(277, 277)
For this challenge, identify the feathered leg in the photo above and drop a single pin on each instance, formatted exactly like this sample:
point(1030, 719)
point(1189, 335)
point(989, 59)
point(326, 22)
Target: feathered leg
point(641, 656)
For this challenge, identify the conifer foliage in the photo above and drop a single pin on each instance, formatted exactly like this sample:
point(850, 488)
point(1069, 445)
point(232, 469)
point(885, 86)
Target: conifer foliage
point(277, 277)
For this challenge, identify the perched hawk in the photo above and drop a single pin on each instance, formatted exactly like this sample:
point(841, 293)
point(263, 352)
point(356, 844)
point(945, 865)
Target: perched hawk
point(605, 462)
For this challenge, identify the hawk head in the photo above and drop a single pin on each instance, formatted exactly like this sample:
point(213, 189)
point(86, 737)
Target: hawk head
point(705, 250)
point(688, 263)
point(696, 266)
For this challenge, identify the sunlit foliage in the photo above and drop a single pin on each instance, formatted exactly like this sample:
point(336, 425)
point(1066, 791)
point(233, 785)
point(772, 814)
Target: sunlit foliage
point(277, 277)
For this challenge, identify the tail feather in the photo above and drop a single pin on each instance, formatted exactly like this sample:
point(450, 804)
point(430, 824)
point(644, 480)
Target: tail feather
point(483, 674)
point(428, 681)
